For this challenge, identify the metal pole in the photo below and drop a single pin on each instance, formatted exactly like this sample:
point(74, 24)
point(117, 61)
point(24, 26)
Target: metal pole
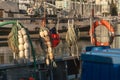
point(75, 5)
point(91, 16)
point(91, 19)
point(44, 9)
point(66, 69)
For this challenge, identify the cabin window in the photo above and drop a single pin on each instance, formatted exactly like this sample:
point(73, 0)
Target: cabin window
point(10, 59)
point(1, 59)
point(1, 14)
point(10, 14)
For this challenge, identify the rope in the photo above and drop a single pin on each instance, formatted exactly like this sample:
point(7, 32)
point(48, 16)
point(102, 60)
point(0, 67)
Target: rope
point(71, 37)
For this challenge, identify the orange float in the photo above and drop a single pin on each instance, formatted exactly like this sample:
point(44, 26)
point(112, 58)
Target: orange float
point(92, 35)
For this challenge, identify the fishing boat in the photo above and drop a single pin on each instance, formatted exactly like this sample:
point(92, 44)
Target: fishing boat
point(58, 51)
point(28, 65)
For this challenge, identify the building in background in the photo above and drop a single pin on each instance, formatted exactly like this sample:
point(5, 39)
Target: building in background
point(105, 7)
point(118, 5)
point(109, 7)
point(109, 1)
point(24, 4)
point(8, 9)
point(10, 0)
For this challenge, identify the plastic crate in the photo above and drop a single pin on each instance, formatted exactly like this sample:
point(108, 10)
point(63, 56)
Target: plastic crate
point(98, 65)
point(96, 48)
point(112, 50)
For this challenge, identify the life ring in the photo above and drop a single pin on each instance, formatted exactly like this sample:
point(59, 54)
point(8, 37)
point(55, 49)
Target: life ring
point(92, 34)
